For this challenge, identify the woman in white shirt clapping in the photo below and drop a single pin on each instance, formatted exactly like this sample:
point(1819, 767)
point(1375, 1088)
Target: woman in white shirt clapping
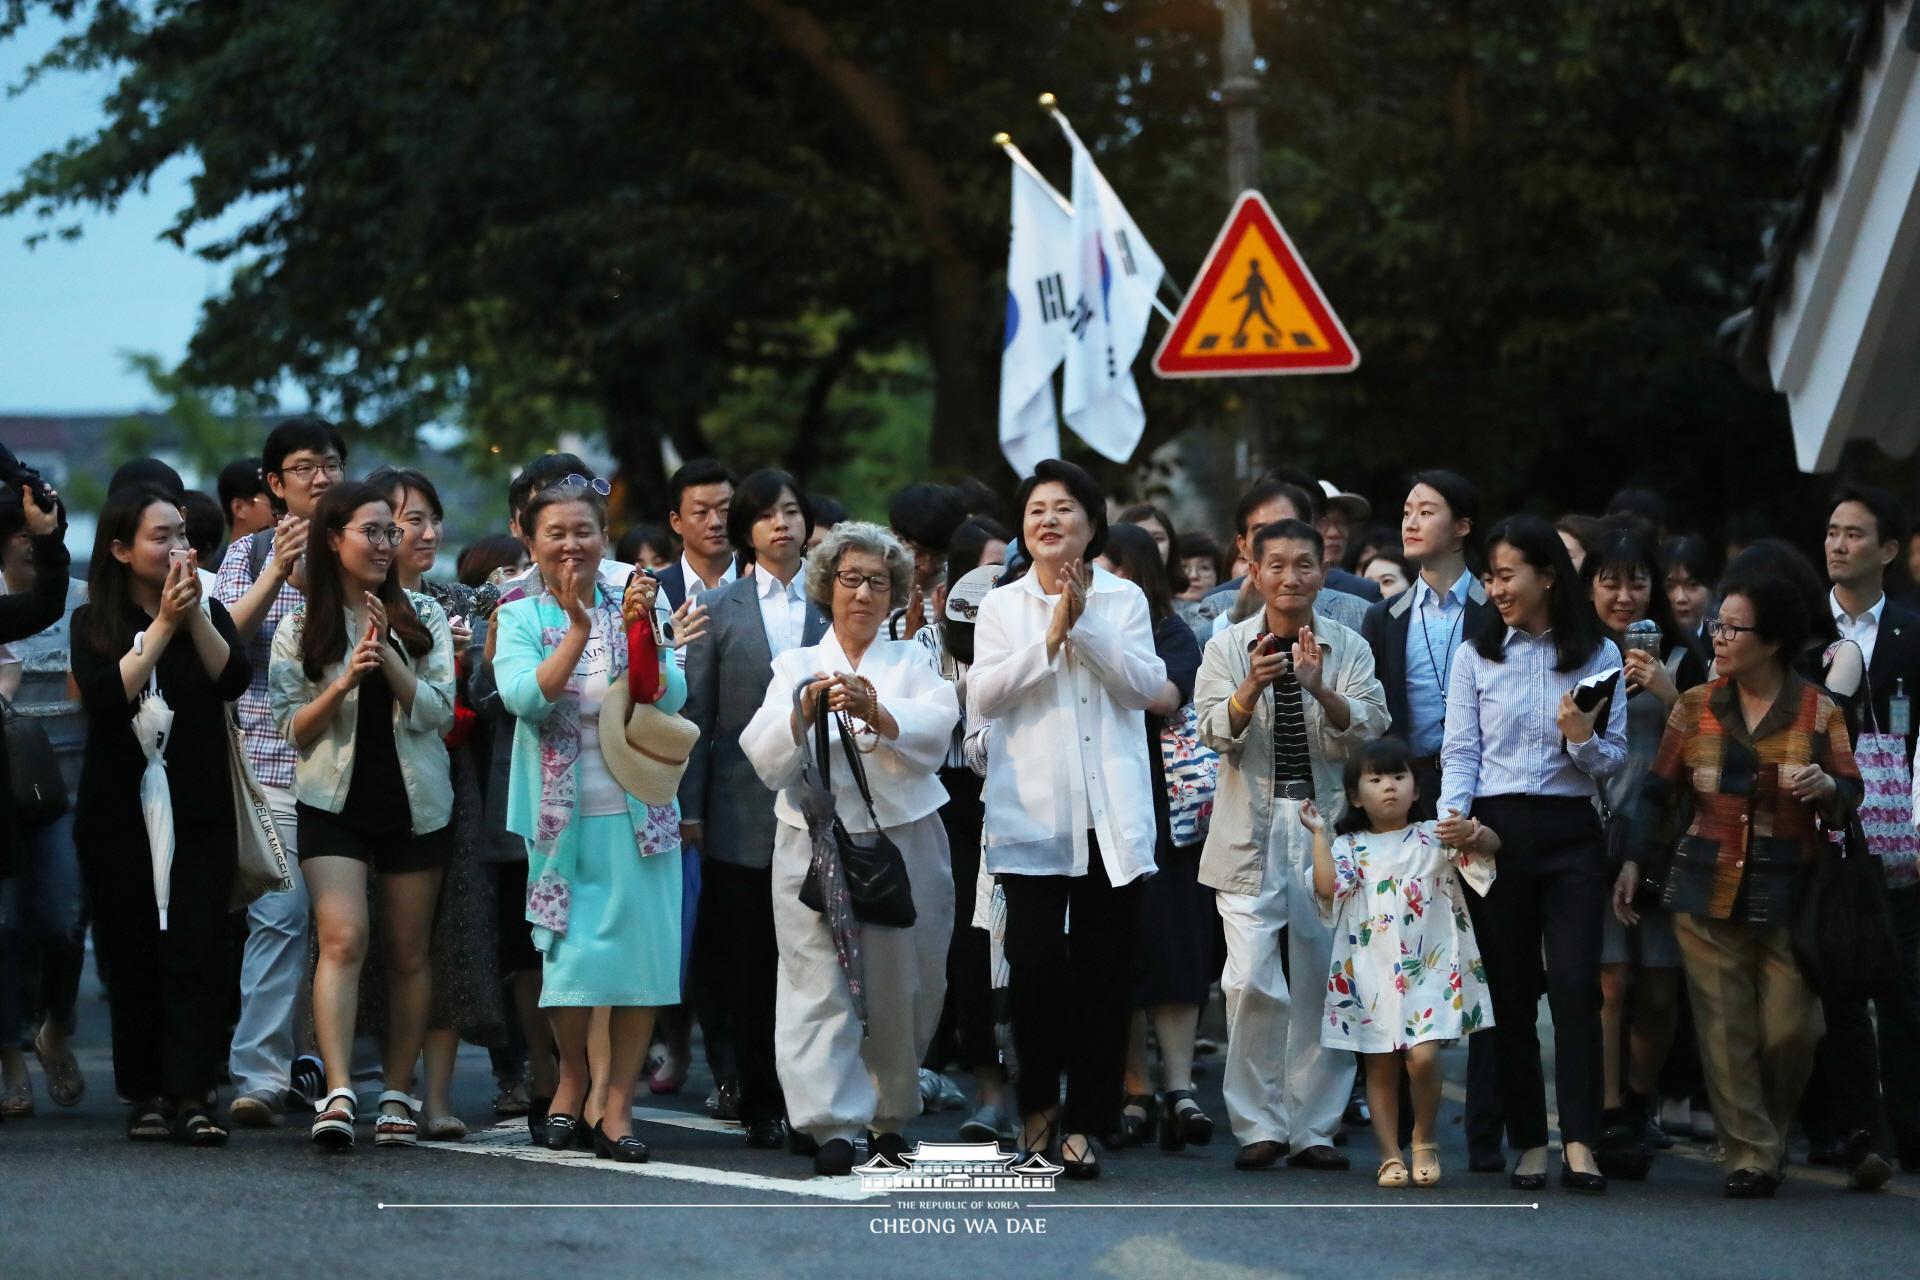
point(1064, 666)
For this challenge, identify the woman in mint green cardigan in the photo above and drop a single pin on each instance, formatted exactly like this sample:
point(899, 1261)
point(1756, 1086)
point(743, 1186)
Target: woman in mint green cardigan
point(603, 874)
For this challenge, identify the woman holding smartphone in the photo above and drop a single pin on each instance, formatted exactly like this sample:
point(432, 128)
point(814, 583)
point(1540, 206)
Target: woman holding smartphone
point(147, 632)
point(1524, 753)
point(362, 685)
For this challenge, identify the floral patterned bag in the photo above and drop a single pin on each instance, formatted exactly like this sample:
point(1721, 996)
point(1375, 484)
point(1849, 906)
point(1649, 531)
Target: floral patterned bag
point(1193, 771)
point(1886, 808)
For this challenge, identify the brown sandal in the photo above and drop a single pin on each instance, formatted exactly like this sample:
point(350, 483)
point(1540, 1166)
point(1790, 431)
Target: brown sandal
point(65, 1084)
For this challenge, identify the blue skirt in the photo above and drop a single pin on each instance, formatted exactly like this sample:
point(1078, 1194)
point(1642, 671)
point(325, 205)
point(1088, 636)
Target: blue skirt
point(622, 945)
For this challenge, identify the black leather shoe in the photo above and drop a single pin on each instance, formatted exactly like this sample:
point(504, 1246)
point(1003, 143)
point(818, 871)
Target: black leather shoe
point(725, 1103)
point(800, 1144)
point(560, 1131)
point(537, 1109)
point(1083, 1168)
point(834, 1159)
point(1182, 1122)
point(766, 1135)
point(1486, 1162)
point(627, 1150)
point(1323, 1159)
point(1591, 1184)
point(1260, 1155)
point(890, 1147)
point(1527, 1181)
point(1750, 1184)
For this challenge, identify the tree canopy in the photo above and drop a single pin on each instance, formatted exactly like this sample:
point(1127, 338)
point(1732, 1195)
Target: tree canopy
point(776, 228)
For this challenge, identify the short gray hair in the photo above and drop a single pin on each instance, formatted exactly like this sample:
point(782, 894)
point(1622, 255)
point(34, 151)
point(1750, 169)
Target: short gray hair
point(858, 535)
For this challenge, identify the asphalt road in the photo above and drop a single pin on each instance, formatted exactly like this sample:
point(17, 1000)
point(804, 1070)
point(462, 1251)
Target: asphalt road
point(78, 1200)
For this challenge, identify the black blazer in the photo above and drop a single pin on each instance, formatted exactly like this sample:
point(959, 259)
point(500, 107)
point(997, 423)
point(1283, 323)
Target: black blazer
point(1896, 665)
point(1385, 631)
point(673, 582)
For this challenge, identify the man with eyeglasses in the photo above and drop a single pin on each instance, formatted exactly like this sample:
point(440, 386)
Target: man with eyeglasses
point(259, 582)
point(724, 807)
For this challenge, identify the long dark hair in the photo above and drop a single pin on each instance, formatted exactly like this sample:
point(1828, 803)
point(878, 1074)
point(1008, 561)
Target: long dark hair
point(1627, 551)
point(1176, 564)
point(1576, 631)
point(112, 612)
point(324, 638)
point(1138, 556)
point(1382, 755)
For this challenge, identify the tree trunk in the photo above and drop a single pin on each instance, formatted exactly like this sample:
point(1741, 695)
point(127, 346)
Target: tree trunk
point(963, 434)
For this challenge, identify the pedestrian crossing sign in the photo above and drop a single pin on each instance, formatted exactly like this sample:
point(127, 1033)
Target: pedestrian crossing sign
point(1255, 309)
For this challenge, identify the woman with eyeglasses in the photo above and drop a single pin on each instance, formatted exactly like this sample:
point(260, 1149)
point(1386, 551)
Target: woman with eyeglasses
point(842, 1074)
point(361, 683)
point(464, 958)
point(1760, 753)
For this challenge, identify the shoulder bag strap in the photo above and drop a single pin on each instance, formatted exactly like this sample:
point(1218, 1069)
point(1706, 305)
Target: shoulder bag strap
point(853, 763)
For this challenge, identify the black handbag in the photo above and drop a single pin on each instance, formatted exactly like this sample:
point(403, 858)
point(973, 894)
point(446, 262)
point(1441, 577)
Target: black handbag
point(876, 872)
point(1842, 928)
point(39, 792)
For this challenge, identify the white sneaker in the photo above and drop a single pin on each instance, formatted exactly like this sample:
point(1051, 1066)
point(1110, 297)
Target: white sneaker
point(937, 1093)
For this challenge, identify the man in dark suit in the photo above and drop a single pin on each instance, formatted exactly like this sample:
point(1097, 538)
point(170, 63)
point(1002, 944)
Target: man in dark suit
point(724, 807)
point(1842, 1110)
point(1414, 637)
point(701, 492)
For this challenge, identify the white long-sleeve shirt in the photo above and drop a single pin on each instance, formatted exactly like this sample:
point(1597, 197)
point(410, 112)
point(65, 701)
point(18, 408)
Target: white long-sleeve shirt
point(1069, 733)
point(903, 774)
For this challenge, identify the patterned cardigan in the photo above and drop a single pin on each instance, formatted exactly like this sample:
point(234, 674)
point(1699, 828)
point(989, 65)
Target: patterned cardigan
point(1741, 855)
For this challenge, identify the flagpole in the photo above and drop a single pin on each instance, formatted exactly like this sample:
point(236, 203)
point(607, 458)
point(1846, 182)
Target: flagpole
point(1050, 105)
point(1005, 143)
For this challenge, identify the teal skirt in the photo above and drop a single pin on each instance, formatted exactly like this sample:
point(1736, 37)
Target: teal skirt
point(622, 945)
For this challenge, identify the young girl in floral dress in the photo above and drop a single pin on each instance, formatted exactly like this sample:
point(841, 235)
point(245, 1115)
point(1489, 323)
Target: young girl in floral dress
point(1406, 973)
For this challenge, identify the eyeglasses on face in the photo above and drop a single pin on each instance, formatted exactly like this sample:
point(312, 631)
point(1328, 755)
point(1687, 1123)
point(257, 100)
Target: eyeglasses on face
point(577, 481)
point(303, 471)
point(1731, 630)
point(879, 582)
point(375, 534)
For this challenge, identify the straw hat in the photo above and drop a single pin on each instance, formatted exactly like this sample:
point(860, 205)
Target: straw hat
point(649, 757)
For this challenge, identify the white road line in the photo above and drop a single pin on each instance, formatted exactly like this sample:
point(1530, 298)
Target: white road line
point(511, 1144)
point(687, 1120)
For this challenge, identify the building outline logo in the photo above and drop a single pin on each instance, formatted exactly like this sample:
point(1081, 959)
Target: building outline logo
point(962, 1167)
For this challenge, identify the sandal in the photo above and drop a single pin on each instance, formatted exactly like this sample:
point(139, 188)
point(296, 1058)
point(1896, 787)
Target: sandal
point(16, 1102)
point(1082, 1167)
point(1393, 1172)
point(403, 1130)
point(147, 1122)
point(65, 1085)
point(1184, 1122)
point(1426, 1164)
point(197, 1129)
point(512, 1100)
point(445, 1129)
point(333, 1127)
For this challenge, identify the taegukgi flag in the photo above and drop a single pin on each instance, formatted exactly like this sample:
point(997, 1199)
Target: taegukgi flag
point(1040, 248)
point(1112, 276)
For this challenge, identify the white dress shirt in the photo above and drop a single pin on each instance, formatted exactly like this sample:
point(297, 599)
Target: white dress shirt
point(1863, 630)
point(696, 585)
point(783, 610)
point(1069, 734)
point(902, 774)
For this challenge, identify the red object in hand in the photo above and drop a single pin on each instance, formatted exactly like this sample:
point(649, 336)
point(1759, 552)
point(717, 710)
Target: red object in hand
point(643, 662)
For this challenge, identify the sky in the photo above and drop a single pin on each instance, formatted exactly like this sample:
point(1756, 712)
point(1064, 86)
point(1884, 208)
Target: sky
point(69, 309)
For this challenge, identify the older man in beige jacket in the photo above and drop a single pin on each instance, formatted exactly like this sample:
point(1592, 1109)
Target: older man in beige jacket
point(1283, 696)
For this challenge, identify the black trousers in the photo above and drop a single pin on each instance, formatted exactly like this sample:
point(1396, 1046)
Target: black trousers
point(1854, 1070)
point(167, 992)
point(1550, 886)
point(739, 959)
point(1070, 1013)
point(965, 1034)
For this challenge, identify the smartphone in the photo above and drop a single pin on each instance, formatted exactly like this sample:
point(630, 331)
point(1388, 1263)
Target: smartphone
point(179, 555)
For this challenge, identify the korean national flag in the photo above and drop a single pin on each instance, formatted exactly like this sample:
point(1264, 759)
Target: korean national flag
point(1038, 256)
point(1112, 276)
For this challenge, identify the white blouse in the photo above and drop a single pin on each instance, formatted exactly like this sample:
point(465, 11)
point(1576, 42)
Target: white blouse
point(902, 774)
point(1069, 734)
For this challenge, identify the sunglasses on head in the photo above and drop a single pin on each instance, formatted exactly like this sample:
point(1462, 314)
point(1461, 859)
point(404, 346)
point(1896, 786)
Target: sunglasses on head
point(599, 486)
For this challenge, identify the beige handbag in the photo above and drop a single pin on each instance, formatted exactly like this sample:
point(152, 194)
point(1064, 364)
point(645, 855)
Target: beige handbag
point(262, 867)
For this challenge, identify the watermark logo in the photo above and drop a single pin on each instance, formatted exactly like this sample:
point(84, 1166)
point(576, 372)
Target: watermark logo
point(961, 1167)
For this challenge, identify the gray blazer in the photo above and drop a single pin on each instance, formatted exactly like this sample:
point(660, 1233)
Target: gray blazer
point(727, 673)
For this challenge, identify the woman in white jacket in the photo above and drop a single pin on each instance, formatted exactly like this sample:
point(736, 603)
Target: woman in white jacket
point(1064, 667)
point(838, 1081)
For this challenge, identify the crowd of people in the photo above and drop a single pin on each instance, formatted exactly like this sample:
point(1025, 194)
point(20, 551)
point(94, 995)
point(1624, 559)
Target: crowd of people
point(995, 793)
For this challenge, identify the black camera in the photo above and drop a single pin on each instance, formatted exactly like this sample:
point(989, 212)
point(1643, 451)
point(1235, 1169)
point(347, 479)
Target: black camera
point(15, 475)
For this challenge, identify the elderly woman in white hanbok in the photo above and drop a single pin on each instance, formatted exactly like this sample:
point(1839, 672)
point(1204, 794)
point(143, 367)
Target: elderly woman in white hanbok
point(838, 1081)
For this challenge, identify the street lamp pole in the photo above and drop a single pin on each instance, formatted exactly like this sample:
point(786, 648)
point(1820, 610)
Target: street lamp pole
point(1239, 95)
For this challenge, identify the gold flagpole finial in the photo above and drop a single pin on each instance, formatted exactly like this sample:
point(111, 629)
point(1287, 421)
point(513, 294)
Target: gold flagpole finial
point(1047, 102)
point(1002, 139)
